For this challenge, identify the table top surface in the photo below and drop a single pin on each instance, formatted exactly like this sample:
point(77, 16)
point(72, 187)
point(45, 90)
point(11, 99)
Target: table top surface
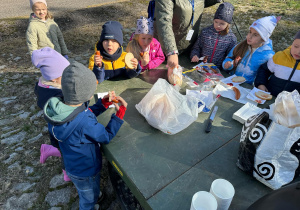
point(168, 169)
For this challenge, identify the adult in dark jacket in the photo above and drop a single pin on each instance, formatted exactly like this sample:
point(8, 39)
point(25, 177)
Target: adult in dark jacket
point(282, 71)
point(174, 20)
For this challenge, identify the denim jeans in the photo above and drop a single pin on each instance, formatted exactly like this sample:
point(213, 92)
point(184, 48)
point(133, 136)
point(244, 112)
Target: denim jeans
point(88, 189)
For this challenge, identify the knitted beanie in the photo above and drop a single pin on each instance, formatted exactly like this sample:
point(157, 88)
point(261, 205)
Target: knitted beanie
point(50, 62)
point(32, 2)
point(265, 26)
point(225, 12)
point(144, 26)
point(297, 35)
point(112, 30)
point(78, 84)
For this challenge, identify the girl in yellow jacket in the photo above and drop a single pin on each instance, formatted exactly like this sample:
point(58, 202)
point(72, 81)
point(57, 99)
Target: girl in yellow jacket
point(42, 31)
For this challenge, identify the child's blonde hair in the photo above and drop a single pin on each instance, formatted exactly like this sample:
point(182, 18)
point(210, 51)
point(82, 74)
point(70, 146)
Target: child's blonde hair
point(134, 47)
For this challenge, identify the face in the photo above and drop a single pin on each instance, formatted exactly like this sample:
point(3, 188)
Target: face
point(295, 49)
point(220, 25)
point(110, 46)
point(254, 39)
point(40, 10)
point(144, 40)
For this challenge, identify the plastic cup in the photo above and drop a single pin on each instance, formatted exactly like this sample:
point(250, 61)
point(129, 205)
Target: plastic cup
point(223, 191)
point(203, 200)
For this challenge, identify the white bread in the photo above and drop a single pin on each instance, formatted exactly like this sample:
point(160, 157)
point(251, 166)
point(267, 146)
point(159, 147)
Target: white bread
point(263, 95)
point(238, 79)
point(128, 58)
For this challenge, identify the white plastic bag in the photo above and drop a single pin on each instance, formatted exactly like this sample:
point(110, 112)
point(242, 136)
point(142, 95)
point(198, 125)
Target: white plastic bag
point(166, 109)
point(286, 109)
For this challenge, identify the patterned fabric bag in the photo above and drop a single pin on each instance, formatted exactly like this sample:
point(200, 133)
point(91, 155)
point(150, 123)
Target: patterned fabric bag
point(268, 151)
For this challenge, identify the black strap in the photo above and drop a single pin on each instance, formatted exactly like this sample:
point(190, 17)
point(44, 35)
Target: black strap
point(291, 75)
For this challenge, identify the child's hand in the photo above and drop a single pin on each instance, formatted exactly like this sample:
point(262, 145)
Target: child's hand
point(122, 101)
point(145, 59)
point(227, 65)
point(98, 60)
point(134, 63)
point(262, 87)
point(195, 58)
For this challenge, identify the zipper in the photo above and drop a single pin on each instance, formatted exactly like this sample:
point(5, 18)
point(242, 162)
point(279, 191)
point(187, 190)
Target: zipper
point(212, 55)
point(292, 73)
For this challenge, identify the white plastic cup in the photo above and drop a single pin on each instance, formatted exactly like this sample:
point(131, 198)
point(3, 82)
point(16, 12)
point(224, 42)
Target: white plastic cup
point(203, 200)
point(223, 191)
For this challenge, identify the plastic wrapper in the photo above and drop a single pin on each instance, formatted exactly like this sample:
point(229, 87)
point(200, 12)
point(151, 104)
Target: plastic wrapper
point(286, 109)
point(166, 109)
point(175, 75)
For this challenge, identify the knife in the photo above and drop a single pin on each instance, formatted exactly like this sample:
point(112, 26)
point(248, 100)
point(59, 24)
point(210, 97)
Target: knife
point(211, 119)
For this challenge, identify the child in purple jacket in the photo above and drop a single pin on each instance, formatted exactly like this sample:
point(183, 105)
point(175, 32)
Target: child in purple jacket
point(144, 47)
point(216, 41)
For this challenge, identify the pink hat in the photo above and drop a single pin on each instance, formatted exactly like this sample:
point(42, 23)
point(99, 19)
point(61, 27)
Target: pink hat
point(32, 2)
point(50, 62)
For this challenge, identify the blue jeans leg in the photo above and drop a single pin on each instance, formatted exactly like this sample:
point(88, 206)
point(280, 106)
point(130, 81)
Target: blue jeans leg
point(88, 189)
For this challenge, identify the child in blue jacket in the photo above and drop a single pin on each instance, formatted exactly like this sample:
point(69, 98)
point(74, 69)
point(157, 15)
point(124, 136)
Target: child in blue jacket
point(254, 51)
point(74, 125)
point(216, 40)
point(111, 61)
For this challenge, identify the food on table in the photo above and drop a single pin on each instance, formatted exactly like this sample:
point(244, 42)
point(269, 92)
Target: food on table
point(141, 54)
point(214, 69)
point(175, 76)
point(262, 95)
point(238, 79)
point(205, 59)
point(237, 60)
point(237, 93)
point(128, 58)
point(230, 84)
point(112, 97)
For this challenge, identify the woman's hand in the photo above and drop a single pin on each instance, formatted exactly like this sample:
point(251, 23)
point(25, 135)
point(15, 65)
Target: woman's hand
point(195, 58)
point(263, 87)
point(172, 61)
point(98, 60)
point(145, 59)
point(227, 65)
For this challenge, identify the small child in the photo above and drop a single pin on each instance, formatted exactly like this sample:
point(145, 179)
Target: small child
point(144, 47)
point(111, 63)
point(42, 31)
point(74, 124)
point(216, 40)
point(254, 51)
point(51, 65)
point(282, 71)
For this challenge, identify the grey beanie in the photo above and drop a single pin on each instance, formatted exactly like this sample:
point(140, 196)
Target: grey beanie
point(78, 84)
point(297, 35)
point(225, 12)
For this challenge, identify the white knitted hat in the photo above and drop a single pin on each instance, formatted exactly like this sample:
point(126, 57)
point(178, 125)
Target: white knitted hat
point(265, 26)
point(32, 2)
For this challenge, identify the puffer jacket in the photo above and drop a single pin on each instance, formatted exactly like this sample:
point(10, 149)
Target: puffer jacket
point(41, 34)
point(214, 45)
point(251, 61)
point(79, 134)
point(173, 22)
point(275, 73)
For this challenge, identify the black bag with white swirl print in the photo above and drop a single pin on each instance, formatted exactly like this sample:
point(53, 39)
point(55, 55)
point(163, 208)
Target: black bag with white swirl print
point(269, 151)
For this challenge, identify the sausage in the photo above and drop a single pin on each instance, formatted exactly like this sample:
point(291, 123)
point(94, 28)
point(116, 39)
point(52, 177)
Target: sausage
point(237, 93)
point(141, 54)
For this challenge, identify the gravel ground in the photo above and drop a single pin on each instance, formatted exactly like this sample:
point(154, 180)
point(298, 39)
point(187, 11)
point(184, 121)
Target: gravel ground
point(24, 182)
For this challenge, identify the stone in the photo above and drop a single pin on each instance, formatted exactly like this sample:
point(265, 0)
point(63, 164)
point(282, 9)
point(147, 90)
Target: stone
point(45, 129)
point(25, 201)
point(15, 167)
point(9, 102)
point(36, 115)
point(28, 170)
point(34, 139)
point(11, 158)
point(58, 197)
point(17, 58)
point(22, 187)
point(55, 208)
point(17, 76)
point(24, 115)
point(14, 139)
point(19, 149)
point(6, 128)
point(9, 133)
point(18, 113)
point(7, 98)
point(32, 107)
point(57, 180)
point(2, 67)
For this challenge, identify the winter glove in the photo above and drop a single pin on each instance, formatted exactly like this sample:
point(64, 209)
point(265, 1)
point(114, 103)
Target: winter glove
point(106, 103)
point(121, 112)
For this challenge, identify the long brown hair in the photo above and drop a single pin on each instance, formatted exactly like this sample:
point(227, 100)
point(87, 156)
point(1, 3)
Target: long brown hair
point(240, 49)
point(134, 47)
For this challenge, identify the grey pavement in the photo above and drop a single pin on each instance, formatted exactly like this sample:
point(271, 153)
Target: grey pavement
point(11, 9)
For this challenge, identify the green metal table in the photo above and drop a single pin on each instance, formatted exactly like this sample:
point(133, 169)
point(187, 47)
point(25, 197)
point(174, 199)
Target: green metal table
point(164, 171)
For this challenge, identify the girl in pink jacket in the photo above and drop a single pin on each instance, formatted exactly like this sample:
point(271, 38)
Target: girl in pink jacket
point(144, 47)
